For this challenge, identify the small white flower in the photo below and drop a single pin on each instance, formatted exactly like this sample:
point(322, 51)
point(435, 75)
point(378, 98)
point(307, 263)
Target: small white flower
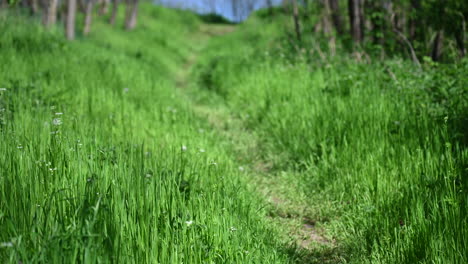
point(19, 147)
point(213, 163)
point(6, 244)
point(189, 223)
point(232, 229)
point(57, 121)
point(241, 168)
point(202, 150)
point(183, 148)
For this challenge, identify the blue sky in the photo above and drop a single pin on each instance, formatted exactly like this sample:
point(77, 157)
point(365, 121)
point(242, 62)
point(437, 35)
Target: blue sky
point(222, 7)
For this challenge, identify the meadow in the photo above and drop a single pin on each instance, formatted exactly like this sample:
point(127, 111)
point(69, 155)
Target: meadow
point(184, 142)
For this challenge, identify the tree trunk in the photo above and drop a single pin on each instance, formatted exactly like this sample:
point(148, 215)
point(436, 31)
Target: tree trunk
point(50, 15)
point(104, 7)
point(88, 17)
point(336, 16)
point(34, 7)
point(414, 27)
point(438, 46)
point(460, 39)
point(132, 12)
point(3, 4)
point(355, 20)
point(297, 26)
point(70, 20)
point(115, 8)
point(326, 15)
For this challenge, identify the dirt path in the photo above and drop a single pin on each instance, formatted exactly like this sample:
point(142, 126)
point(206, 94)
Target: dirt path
point(288, 211)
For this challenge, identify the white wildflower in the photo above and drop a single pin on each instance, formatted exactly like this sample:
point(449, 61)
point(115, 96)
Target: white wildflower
point(202, 150)
point(241, 168)
point(183, 148)
point(189, 223)
point(6, 244)
point(57, 121)
point(232, 229)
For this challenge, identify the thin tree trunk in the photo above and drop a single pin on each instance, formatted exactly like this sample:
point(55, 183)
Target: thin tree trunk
point(355, 17)
point(88, 17)
point(50, 15)
point(414, 22)
point(132, 12)
point(460, 39)
point(104, 7)
point(438, 46)
point(297, 26)
point(70, 20)
point(336, 16)
point(34, 7)
point(115, 8)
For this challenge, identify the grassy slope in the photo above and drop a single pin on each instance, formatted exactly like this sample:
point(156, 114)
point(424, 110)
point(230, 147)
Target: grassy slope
point(377, 151)
point(92, 167)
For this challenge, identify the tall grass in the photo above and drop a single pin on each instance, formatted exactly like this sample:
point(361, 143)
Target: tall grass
point(102, 160)
point(383, 143)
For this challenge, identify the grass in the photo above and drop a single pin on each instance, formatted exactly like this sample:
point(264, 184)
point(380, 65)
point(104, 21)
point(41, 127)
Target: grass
point(173, 144)
point(103, 159)
point(377, 150)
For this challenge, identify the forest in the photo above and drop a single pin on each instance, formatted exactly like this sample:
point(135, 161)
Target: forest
point(312, 131)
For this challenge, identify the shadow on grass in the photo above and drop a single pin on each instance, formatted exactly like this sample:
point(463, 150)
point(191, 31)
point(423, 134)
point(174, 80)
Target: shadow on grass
point(315, 255)
point(212, 18)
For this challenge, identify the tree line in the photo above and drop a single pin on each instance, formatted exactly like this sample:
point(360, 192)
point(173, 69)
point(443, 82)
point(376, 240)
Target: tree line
point(418, 28)
point(65, 11)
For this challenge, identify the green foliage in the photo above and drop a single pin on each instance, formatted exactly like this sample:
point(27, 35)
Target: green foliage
point(214, 18)
point(384, 143)
point(104, 161)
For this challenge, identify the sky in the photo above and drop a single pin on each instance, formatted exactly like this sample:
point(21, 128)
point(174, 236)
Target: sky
point(221, 7)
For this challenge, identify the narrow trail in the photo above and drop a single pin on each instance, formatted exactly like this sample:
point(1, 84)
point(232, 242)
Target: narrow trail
point(294, 216)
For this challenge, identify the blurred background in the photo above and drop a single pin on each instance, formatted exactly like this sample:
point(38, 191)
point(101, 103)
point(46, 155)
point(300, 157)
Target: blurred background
point(233, 10)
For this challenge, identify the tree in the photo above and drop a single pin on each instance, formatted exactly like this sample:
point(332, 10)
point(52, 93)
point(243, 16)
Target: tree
point(50, 13)
point(336, 15)
point(438, 46)
point(356, 20)
point(297, 25)
point(115, 8)
point(131, 14)
point(88, 17)
point(70, 20)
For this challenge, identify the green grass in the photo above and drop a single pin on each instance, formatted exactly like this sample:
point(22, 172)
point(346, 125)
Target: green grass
point(378, 150)
point(103, 159)
point(112, 151)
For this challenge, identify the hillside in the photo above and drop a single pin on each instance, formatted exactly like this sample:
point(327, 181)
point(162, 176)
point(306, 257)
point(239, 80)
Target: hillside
point(188, 142)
